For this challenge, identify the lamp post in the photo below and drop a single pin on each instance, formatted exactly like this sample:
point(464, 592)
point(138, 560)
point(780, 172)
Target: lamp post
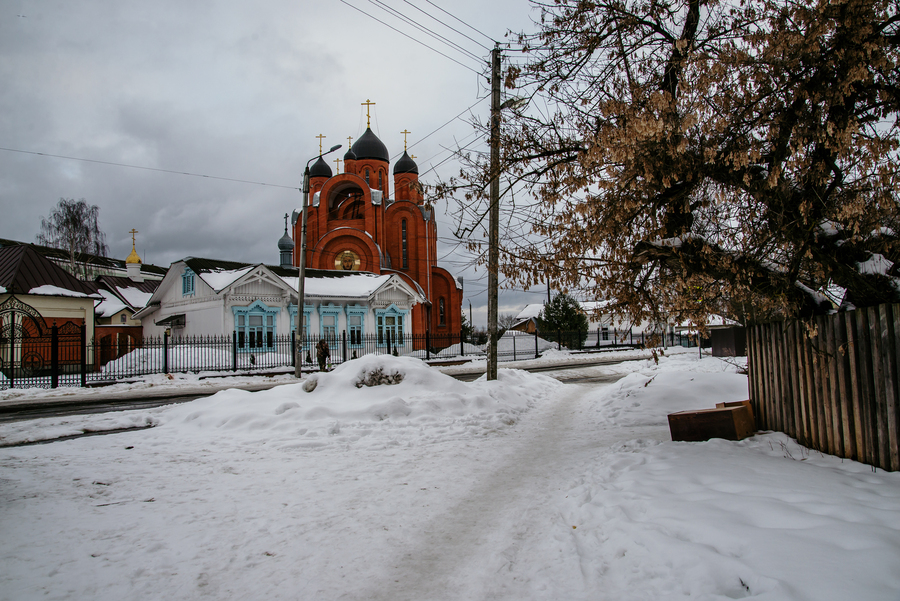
point(301, 299)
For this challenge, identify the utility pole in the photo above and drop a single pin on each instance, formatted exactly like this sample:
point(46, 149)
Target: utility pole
point(494, 216)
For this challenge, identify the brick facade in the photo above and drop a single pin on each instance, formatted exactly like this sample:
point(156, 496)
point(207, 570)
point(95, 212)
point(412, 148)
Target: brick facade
point(354, 223)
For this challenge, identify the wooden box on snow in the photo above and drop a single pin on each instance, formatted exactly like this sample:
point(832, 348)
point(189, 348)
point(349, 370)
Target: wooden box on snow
point(730, 423)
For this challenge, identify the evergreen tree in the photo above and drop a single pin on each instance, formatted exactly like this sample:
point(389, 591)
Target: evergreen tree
point(563, 316)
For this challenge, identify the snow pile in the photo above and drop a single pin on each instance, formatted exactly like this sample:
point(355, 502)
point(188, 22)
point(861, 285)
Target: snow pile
point(399, 396)
point(650, 392)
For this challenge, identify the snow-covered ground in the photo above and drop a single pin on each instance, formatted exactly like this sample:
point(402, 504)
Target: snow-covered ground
point(430, 488)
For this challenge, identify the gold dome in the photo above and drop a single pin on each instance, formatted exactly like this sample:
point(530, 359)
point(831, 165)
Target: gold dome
point(133, 257)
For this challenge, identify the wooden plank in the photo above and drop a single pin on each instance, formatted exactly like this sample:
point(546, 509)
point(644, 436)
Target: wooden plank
point(829, 388)
point(799, 347)
point(751, 364)
point(765, 415)
point(808, 368)
point(892, 459)
point(867, 396)
point(878, 375)
point(842, 343)
point(787, 392)
point(793, 369)
point(855, 386)
point(777, 400)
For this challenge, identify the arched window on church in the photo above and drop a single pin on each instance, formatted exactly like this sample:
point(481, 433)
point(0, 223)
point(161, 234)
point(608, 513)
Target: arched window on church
point(380, 184)
point(367, 175)
point(442, 312)
point(403, 245)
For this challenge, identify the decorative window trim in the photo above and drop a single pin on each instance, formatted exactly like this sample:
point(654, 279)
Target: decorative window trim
point(352, 311)
point(256, 308)
point(326, 310)
point(398, 339)
point(187, 282)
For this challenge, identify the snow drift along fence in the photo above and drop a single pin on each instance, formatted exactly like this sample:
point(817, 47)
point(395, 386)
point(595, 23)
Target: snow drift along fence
point(832, 382)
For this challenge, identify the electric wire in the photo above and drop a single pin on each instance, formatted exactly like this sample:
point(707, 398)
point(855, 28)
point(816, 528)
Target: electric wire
point(448, 26)
point(187, 173)
point(461, 21)
point(411, 37)
point(424, 29)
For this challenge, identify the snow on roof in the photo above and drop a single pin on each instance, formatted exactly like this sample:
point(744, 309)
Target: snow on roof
point(360, 285)
point(530, 311)
point(135, 297)
point(2, 290)
point(50, 290)
point(222, 278)
point(110, 305)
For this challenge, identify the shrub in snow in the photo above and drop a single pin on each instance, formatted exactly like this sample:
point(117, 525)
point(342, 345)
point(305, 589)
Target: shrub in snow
point(377, 377)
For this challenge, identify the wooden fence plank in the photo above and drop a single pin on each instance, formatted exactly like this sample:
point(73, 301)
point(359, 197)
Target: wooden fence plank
point(845, 402)
point(765, 412)
point(794, 372)
point(823, 386)
point(867, 390)
point(855, 386)
point(892, 460)
point(878, 380)
point(802, 376)
point(777, 398)
point(831, 394)
point(810, 388)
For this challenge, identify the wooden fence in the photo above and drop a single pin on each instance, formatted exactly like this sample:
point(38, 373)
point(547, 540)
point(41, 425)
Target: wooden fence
point(831, 382)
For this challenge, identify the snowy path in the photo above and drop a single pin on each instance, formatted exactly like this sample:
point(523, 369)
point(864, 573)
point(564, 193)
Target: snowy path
point(483, 546)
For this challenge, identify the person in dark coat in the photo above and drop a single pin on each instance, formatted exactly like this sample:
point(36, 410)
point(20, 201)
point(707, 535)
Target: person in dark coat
point(323, 353)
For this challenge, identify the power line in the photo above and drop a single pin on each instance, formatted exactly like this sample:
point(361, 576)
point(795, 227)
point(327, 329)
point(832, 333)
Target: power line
point(411, 37)
point(461, 21)
point(451, 120)
point(227, 179)
point(447, 26)
point(424, 29)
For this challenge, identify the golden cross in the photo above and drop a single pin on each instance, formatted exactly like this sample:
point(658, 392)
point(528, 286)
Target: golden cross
point(349, 142)
point(404, 132)
point(367, 104)
point(321, 137)
point(132, 232)
point(338, 161)
point(412, 156)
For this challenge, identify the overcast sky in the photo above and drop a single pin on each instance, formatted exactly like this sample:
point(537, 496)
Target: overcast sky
point(232, 90)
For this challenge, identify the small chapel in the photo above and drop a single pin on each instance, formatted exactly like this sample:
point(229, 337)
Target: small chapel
point(361, 219)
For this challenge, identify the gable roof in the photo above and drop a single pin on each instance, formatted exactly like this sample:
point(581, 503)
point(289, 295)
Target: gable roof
point(123, 293)
point(59, 255)
point(23, 270)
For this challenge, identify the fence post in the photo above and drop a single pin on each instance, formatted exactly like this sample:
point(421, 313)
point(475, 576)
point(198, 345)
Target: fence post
point(234, 351)
point(536, 355)
point(388, 340)
point(54, 356)
point(558, 339)
point(514, 347)
point(166, 351)
point(427, 345)
point(83, 355)
point(344, 346)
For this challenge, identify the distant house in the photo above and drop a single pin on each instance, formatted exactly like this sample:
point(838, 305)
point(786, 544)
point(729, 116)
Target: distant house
point(257, 303)
point(35, 295)
point(603, 326)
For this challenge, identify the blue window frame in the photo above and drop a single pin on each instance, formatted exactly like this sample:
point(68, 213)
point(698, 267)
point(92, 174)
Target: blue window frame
point(255, 326)
point(187, 282)
point(356, 324)
point(389, 324)
point(328, 321)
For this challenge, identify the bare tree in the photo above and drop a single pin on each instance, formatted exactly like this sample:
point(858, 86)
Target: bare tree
point(686, 156)
point(74, 226)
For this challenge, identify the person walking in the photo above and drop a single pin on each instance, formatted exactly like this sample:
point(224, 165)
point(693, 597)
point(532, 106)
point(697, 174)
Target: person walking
point(323, 353)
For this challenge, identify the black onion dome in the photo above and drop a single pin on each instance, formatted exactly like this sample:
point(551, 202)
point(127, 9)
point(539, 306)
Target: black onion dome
point(320, 169)
point(349, 155)
point(368, 146)
point(406, 165)
point(285, 243)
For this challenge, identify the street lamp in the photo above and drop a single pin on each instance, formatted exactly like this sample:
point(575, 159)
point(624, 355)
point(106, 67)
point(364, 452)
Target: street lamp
point(301, 299)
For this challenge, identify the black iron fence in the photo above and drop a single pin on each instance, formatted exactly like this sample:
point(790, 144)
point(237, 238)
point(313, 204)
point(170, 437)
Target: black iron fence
point(69, 359)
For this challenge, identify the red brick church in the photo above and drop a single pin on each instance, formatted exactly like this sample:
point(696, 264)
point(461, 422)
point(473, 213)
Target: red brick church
point(357, 222)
